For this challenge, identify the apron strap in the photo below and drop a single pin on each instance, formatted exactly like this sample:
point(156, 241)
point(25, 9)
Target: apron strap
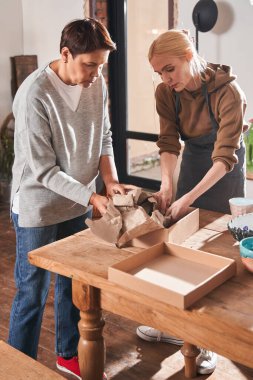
point(215, 124)
point(177, 99)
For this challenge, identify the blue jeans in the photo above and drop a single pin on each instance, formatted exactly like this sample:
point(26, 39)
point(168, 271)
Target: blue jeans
point(32, 290)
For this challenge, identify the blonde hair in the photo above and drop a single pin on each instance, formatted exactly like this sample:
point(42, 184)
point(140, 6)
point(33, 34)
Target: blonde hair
point(177, 43)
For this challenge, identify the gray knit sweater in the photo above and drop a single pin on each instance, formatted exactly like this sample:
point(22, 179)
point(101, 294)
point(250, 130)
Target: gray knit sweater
point(57, 150)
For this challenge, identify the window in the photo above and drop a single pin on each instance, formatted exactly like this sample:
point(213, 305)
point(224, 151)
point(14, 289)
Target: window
point(135, 125)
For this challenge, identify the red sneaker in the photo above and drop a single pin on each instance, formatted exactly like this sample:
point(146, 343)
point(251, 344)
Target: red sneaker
point(71, 366)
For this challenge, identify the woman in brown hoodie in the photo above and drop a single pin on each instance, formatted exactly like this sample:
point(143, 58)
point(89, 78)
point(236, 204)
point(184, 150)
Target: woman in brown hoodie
point(202, 105)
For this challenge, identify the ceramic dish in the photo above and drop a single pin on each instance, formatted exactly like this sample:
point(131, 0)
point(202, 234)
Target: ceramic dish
point(246, 252)
point(240, 206)
point(241, 226)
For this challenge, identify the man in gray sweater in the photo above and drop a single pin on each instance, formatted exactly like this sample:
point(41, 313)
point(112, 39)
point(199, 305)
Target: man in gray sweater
point(62, 142)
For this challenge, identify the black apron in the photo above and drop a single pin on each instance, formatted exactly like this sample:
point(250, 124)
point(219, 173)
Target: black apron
point(196, 161)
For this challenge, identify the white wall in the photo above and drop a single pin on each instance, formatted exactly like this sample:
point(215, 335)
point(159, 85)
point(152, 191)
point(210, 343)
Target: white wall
point(31, 27)
point(11, 31)
point(229, 42)
point(43, 22)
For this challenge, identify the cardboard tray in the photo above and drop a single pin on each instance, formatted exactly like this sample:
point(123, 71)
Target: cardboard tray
point(177, 233)
point(172, 274)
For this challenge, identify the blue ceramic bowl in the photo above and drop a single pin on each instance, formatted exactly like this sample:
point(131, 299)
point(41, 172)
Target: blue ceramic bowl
point(246, 252)
point(246, 247)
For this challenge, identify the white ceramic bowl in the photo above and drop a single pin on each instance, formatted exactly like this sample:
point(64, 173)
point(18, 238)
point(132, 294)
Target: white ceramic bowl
point(240, 206)
point(241, 226)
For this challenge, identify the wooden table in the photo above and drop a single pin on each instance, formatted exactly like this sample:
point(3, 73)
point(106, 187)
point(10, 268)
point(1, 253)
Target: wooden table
point(222, 321)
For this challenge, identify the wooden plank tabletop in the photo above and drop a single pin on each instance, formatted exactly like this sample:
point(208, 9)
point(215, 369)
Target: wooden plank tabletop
point(18, 366)
point(84, 253)
point(220, 321)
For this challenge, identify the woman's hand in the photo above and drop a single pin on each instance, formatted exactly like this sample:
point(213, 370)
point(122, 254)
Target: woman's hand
point(118, 188)
point(179, 208)
point(100, 202)
point(163, 198)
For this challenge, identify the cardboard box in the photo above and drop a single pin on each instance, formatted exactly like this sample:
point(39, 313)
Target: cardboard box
point(127, 216)
point(172, 274)
point(177, 233)
point(133, 220)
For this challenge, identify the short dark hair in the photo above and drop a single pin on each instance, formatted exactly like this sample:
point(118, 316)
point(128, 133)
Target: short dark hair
point(86, 35)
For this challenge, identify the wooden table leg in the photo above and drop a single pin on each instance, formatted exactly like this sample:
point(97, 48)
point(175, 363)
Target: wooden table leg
point(190, 353)
point(91, 348)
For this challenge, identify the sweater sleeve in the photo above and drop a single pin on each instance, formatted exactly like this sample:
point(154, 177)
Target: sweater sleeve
point(231, 107)
point(168, 140)
point(107, 149)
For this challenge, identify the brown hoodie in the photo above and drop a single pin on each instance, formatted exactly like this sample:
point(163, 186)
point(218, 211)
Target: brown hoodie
point(228, 104)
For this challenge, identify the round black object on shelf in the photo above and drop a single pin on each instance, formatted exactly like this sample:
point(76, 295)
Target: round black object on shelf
point(204, 15)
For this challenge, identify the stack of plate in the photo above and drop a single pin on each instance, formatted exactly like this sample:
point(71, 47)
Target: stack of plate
point(241, 226)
